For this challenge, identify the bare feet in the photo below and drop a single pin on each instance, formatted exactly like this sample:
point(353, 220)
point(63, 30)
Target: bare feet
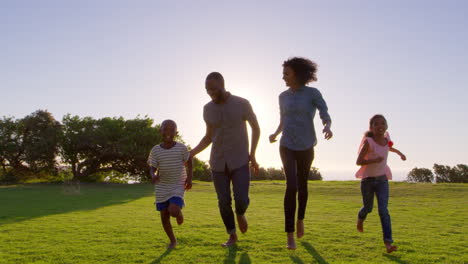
point(390, 247)
point(291, 242)
point(300, 228)
point(172, 245)
point(242, 222)
point(180, 218)
point(231, 241)
point(360, 225)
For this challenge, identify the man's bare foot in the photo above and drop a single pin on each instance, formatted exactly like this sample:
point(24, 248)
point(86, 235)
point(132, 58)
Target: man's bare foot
point(180, 218)
point(390, 247)
point(242, 222)
point(360, 225)
point(291, 242)
point(300, 228)
point(172, 245)
point(231, 241)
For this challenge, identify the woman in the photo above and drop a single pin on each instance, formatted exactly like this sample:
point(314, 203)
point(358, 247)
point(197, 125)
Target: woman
point(298, 105)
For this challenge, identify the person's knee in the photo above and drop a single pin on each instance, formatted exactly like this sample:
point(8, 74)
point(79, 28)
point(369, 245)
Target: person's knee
point(383, 211)
point(241, 205)
point(174, 210)
point(368, 209)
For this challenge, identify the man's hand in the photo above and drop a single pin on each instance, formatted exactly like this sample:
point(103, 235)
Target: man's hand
point(188, 184)
point(328, 133)
point(155, 179)
point(272, 138)
point(254, 165)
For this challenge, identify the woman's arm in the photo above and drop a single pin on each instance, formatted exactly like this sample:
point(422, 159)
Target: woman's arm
point(277, 132)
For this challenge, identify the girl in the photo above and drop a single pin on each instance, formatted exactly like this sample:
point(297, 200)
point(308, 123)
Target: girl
point(375, 174)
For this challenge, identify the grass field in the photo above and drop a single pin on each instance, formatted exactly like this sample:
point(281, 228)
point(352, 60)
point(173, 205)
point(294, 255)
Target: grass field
point(118, 224)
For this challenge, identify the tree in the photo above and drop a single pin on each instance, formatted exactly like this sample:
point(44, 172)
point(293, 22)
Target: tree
point(314, 174)
point(457, 174)
point(201, 170)
point(420, 175)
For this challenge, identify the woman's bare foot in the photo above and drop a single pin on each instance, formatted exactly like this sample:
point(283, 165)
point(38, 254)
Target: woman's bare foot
point(300, 228)
point(390, 247)
point(360, 225)
point(180, 218)
point(172, 245)
point(242, 222)
point(291, 242)
point(231, 241)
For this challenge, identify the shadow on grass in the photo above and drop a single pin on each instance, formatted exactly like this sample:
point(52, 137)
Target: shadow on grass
point(314, 253)
point(395, 259)
point(231, 256)
point(296, 259)
point(36, 200)
point(158, 260)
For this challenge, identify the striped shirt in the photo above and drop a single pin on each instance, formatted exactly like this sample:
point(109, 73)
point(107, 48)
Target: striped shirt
point(170, 163)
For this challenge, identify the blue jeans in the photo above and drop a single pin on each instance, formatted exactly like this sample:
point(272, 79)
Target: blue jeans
point(379, 187)
point(296, 165)
point(240, 179)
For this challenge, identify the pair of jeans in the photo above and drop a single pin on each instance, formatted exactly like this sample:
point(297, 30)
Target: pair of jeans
point(296, 165)
point(377, 186)
point(240, 179)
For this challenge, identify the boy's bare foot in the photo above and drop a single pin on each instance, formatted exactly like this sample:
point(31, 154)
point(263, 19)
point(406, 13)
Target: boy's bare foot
point(300, 228)
point(242, 222)
point(291, 242)
point(180, 218)
point(172, 245)
point(231, 241)
point(390, 247)
point(360, 225)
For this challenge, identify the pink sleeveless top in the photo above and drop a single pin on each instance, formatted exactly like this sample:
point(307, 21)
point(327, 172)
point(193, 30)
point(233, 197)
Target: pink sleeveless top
point(374, 169)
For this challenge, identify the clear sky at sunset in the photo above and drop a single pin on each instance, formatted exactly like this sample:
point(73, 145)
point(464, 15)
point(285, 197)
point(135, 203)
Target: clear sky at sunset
point(407, 60)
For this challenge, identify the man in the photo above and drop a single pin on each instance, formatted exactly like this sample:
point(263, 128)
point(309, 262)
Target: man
point(225, 117)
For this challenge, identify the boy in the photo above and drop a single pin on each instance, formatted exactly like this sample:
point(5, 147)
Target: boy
point(170, 178)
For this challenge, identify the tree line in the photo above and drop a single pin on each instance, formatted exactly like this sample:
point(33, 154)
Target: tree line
point(440, 174)
point(85, 149)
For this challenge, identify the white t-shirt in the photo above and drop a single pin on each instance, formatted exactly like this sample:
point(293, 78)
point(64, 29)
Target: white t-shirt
point(170, 163)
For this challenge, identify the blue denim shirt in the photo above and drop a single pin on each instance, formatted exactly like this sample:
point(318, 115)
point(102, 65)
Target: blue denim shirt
point(297, 110)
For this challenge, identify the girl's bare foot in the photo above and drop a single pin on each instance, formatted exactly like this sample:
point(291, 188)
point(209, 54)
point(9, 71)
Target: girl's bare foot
point(231, 241)
point(180, 218)
point(390, 247)
point(360, 225)
point(291, 242)
point(172, 245)
point(242, 222)
point(300, 228)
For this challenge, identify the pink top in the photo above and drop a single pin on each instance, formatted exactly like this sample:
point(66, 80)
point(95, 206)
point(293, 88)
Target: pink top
point(374, 169)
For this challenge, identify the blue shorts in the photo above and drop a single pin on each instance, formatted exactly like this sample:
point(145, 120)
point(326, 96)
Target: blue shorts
point(174, 200)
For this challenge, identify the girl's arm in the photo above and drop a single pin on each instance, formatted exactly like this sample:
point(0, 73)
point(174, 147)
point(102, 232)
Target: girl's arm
point(189, 169)
point(402, 156)
point(278, 130)
point(361, 161)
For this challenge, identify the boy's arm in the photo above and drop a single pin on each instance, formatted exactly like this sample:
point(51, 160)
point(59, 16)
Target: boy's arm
point(189, 169)
point(402, 156)
point(361, 161)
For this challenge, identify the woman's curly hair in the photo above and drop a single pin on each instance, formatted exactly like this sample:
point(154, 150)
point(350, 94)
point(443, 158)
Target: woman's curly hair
point(304, 69)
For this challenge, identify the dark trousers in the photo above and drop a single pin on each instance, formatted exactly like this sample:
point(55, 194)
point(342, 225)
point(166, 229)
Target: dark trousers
point(377, 186)
point(296, 165)
point(240, 179)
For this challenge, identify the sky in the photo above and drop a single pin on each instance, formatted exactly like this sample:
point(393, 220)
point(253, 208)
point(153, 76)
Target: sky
point(404, 59)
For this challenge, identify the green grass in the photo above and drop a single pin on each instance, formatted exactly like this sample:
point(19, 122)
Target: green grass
point(118, 224)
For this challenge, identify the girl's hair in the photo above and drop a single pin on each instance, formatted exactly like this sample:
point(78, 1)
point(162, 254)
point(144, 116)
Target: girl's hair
point(369, 133)
point(304, 69)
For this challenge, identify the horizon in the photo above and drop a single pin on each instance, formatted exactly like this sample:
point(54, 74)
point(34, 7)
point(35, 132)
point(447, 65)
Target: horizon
point(114, 58)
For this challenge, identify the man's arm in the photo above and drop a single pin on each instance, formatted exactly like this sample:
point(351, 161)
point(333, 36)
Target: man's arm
point(204, 142)
point(189, 169)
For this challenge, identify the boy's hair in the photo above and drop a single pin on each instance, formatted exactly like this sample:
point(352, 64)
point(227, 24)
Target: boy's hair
point(304, 69)
point(369, 133)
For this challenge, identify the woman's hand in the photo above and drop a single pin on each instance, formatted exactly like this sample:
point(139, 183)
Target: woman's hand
point(328, 133)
